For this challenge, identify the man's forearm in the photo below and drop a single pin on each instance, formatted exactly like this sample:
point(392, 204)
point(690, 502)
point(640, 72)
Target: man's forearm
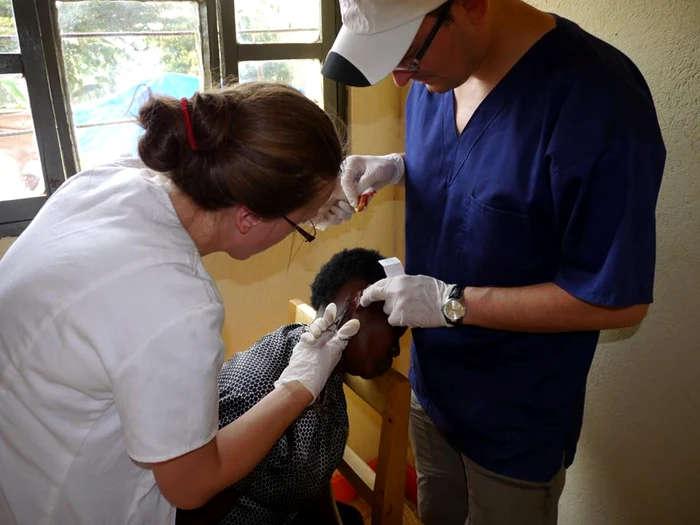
point(543, 308)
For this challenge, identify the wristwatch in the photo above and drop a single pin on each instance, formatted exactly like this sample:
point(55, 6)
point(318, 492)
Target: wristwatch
point(454, 308)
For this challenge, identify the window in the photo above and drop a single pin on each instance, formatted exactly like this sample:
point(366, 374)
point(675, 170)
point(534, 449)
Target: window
point(104, 57)
point(31, 163)
point(114, 55)
point(282, 40)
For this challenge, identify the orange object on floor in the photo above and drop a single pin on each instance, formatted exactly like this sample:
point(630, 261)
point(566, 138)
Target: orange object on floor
point(411, 491)
point(343, 491)
point(411, 485)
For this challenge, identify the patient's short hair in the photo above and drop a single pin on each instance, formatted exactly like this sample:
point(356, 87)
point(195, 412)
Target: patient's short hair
point(355, 263)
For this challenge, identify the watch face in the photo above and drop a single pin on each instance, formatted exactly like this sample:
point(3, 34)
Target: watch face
point(453, 310)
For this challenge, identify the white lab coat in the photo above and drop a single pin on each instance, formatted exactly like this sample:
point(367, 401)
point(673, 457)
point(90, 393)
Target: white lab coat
point(110, 345)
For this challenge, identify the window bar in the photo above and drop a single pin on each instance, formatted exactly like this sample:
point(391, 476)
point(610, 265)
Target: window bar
point(15, 215)
point(107, 34)
point(227, 41)
point(10, 64)
point(58, 84)
point(34, 61)
point(211, 57)
point(334, 94)
point(279, 51)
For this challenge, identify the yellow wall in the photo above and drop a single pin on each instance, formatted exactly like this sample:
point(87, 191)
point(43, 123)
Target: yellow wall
point(5, 244)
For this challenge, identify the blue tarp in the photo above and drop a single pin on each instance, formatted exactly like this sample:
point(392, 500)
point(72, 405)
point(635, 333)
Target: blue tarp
point(103, 143)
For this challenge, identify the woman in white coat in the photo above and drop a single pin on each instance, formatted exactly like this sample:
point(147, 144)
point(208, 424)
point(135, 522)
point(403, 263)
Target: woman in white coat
point(110, 326)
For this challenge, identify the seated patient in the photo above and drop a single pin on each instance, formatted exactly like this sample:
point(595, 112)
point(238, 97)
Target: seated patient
point(295, 475)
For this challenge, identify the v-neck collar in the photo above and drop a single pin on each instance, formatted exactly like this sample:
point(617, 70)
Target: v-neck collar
point(493, 104)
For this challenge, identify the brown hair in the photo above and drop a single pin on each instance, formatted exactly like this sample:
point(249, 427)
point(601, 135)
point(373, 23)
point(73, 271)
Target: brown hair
point(262, 145)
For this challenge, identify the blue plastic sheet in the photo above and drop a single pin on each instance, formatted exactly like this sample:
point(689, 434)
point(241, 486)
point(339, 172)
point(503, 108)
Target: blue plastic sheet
point(102, 143)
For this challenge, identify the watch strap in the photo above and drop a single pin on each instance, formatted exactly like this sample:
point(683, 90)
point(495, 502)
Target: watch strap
point(457, 292)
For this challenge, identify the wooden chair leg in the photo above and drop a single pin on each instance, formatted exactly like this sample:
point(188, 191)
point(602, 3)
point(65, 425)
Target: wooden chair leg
point(393, 446)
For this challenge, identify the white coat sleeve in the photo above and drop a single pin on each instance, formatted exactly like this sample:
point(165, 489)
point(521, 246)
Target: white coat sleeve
point(166, 392)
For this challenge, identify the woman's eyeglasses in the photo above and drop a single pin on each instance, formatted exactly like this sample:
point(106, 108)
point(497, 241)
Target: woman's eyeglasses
point(308, 236)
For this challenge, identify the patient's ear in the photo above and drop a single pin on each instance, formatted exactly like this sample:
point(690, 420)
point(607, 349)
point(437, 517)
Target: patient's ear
point(246, 220)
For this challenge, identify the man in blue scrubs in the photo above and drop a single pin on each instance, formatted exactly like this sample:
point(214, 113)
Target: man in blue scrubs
point(532, 168)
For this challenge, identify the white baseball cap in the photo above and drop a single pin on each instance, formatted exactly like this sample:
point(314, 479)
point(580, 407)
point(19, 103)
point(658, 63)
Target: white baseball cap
point(374, 38)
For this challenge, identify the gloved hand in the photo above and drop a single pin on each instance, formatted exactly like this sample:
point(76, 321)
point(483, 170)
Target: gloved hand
point(363, 173)
point(318, 351)
point(414, 301)
point(336, 210)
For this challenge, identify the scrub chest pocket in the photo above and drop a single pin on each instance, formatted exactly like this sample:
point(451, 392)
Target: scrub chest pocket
point(496, 245)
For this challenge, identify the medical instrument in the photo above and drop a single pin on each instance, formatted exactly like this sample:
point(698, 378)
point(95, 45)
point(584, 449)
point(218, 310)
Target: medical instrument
point(392, 267)
point(341, 314)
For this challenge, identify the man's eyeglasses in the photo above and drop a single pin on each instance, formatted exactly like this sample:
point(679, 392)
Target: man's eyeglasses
point(308, 236)
point(412, 67)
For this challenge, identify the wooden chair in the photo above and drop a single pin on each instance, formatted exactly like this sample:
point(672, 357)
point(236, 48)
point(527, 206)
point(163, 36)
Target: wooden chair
point(390, 396)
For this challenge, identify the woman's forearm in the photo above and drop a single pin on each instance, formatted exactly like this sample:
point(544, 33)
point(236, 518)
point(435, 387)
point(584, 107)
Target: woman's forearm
point(189, 481)
point(244, 443)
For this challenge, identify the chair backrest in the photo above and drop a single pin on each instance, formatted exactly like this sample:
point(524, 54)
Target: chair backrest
point(390, 396)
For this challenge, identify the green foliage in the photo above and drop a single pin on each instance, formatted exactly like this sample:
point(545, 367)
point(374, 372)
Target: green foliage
point(279, 71)
point(11, 95)
point(8, 34)
point(94, 64)
point(5, 8)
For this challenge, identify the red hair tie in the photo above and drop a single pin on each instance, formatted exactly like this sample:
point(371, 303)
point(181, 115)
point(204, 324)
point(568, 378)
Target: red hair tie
point(184, 106)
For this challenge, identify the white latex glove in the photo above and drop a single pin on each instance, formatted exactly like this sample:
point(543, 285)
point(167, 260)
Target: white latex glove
point(363, 174)
point(336, 210)
point(414, 301)
point(318, 351)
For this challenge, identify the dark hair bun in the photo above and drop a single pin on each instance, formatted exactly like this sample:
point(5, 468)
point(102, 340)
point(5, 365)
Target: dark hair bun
point(161, 145)
point(260, 144)
point(212, 120)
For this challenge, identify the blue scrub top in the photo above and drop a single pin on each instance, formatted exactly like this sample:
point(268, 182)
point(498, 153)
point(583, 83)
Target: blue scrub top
point(554, 179)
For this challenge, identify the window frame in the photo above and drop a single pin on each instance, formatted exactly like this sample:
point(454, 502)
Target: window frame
point(227, 52)
point(40, 61)
point(34, 63)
